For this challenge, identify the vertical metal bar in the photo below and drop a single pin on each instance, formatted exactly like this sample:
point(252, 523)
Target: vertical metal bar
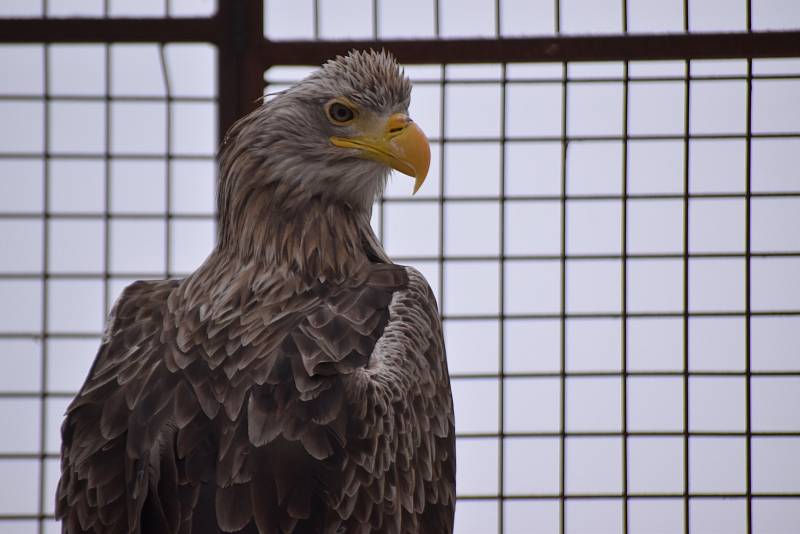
point(501, 370)
point(107, 173)
point(437, 18)
point(501, 288)
point(686, 322)
point(562, 515)
point(624, 283)
point(375, 18)
point(316, 19)
point(747, 305)
point(442, 165)
point(168, 162)
point(382, 200)
point(563, 299)
point(747, 286)
point(686, 306)
point(685, 274)
point(557, 16)
point(624, 304)
point(45, 280)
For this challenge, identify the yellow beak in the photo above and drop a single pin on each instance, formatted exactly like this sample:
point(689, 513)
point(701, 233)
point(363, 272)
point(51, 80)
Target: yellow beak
point(400, 144)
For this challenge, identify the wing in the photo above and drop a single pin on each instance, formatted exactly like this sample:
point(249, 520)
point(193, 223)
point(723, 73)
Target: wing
point(374, 451)
point(331, 409)
point(102, 463)
point(400, 469)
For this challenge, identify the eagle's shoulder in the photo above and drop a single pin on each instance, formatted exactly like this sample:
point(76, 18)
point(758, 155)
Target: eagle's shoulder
point(134, 322)
point(418, 285)
point(403, 396)
point(141, 301)
point(414, 325)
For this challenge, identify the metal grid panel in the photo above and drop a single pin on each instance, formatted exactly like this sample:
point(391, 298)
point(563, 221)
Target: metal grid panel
point(112, 143)
point(558, 367)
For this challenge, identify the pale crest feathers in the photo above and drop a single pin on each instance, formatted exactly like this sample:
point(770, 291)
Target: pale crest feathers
point(371, 78)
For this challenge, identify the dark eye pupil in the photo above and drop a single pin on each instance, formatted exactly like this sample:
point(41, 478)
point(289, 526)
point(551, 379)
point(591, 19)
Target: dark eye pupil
point(341, 113)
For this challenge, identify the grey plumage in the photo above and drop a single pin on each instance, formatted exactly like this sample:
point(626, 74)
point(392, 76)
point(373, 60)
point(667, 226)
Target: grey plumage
point(296, 382)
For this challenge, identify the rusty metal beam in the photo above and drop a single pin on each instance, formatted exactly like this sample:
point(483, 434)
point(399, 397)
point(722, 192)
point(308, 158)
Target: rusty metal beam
point(548, 49)
point(122, 30)
point(535, 49)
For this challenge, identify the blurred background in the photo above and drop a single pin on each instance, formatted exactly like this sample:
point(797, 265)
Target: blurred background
point(615, 247)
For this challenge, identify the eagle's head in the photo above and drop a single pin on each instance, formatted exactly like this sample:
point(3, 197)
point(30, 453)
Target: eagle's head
point(336, 134)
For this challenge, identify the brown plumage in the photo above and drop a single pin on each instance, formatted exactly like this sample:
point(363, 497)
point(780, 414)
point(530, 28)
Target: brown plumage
point(296, 382)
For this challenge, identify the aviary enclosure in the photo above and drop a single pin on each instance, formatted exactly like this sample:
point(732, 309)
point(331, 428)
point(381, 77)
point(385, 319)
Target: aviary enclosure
point(617, 183)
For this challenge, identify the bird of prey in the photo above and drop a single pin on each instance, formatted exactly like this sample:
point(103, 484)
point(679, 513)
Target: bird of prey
point(296, 382)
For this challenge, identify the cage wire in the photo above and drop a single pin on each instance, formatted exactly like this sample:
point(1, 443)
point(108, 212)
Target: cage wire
point(613, 243)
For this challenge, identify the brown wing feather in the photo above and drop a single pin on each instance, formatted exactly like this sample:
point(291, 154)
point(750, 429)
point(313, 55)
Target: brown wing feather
point(99, 470)
point(324, 409)
point(400, 468)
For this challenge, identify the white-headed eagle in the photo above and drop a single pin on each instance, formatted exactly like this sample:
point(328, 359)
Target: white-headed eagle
point(296, 382)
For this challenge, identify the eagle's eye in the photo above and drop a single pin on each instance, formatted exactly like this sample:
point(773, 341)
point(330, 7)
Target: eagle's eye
point(340, 113)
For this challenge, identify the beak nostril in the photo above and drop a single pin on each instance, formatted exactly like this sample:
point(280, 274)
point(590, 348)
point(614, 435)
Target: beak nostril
point(397, 124)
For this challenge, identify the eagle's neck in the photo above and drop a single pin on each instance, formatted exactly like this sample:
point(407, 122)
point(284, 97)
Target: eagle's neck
point(282, 214)
point(300, 236)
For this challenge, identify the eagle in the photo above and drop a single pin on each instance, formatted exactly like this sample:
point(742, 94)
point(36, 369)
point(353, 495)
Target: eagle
point(296, 382)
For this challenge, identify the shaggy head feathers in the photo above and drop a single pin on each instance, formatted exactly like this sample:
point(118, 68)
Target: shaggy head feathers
point(287, 139)
point(369, 78)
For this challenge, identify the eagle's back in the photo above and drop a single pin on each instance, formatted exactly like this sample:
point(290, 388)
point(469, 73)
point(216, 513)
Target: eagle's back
point(261, 410)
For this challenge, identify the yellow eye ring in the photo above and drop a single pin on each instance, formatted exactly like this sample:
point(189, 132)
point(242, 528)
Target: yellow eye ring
point(340, 113)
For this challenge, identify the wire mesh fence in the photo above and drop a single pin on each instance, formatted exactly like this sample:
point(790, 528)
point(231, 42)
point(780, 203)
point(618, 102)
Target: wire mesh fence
point(113, 183)
point(613, 243)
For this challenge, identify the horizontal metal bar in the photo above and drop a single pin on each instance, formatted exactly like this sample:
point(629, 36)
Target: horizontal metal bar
point(51, 335)
point(628, 495)
point(555, 138)
point(635, 80)
point(28, 455)
point(619, 434)
point(26, 517)
point(109, 30)
point(55, 98)
point(81, 216)
point(620, 373)
point(588, 197)
point(98, 276)
point(597, 257)
point(547, 49)
point(102, 156)
point(523, 49)
point(617, 315)
point(36, 395)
